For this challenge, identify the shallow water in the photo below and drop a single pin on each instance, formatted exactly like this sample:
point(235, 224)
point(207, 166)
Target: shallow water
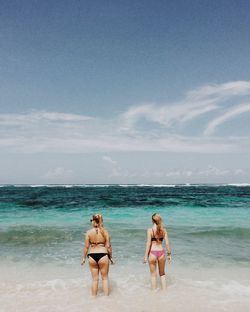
point(41, 237)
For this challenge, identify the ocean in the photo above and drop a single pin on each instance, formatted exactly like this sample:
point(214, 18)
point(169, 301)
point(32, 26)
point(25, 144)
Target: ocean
point(42, 232)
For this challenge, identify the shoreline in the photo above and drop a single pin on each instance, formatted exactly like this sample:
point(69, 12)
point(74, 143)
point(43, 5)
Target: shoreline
point(51, 287)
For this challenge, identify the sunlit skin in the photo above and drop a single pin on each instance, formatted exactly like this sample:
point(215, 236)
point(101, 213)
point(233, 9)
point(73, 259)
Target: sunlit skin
point(97, 240)
point(157, 246)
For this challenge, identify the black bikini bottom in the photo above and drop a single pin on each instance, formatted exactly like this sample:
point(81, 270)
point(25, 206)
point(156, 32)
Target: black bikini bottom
point(97, 256)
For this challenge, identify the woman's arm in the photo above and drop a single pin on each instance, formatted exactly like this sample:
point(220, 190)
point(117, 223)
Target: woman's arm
point(85, 249)
point(167, 246)
point(148, 246)
point(108, 246)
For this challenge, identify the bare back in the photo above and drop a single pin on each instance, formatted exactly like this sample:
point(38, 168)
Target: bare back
point(97, 241)
point(156, 241)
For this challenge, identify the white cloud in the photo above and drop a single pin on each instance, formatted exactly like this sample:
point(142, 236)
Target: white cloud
point(165, 115)
point(220, 91)
point(239, 172)
point(210, 173)
point(43, 116)
point(179, 173)
point(213, 171)
point(195, 104)
point(58, 173)
point(230, 114)
point(115, 144)
point(109, 160)
point(114, 167)
point(165, 127)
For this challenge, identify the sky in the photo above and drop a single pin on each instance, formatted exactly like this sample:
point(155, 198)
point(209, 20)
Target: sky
point(148, 92)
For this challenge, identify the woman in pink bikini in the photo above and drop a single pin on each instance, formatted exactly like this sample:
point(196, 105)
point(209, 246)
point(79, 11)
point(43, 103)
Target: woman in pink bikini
point(154, 253)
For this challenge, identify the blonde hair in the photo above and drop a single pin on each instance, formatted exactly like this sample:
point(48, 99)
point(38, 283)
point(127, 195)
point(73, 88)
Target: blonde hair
point(157, 220)
point(99, 223)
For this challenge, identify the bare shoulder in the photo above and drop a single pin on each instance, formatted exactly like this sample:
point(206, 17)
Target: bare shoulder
point(89, 232)
point(106, 232)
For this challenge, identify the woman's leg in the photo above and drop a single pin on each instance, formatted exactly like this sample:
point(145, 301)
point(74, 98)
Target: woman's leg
point(94, 269)
point(104, 269)
point(161, 266)
point(152, 268)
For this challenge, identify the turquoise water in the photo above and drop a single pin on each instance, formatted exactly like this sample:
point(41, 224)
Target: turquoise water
point(207, 225)
point(41, 238)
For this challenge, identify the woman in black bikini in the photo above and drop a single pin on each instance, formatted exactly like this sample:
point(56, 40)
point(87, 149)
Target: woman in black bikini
point(98, 249)
point(154, 253)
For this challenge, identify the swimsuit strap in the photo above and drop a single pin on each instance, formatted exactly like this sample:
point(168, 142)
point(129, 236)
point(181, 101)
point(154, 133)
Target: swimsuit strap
point(98, 243)
point(153, 234)
point(155, 238)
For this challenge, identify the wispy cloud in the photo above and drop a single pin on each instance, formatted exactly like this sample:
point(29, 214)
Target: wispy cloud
point(165, 115)
point(58, 173)
point(43, 116)
point(220, 91)
point(230, 114)
point(109, 160)
point(180, 174)
point(114, 169)
point(196, 103)
point(147, 127)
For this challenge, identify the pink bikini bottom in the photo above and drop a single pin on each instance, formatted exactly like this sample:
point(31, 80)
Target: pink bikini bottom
point(158, 253)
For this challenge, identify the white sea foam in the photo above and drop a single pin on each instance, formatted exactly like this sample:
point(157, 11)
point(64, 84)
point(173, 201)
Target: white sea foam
point(124, 185)
point(164, 185)
point(53, 288)
point(37, 185)
point(238, 184)
point(156, 185)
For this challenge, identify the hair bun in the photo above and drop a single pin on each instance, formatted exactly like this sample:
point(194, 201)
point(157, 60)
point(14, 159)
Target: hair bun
point(96, 218)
